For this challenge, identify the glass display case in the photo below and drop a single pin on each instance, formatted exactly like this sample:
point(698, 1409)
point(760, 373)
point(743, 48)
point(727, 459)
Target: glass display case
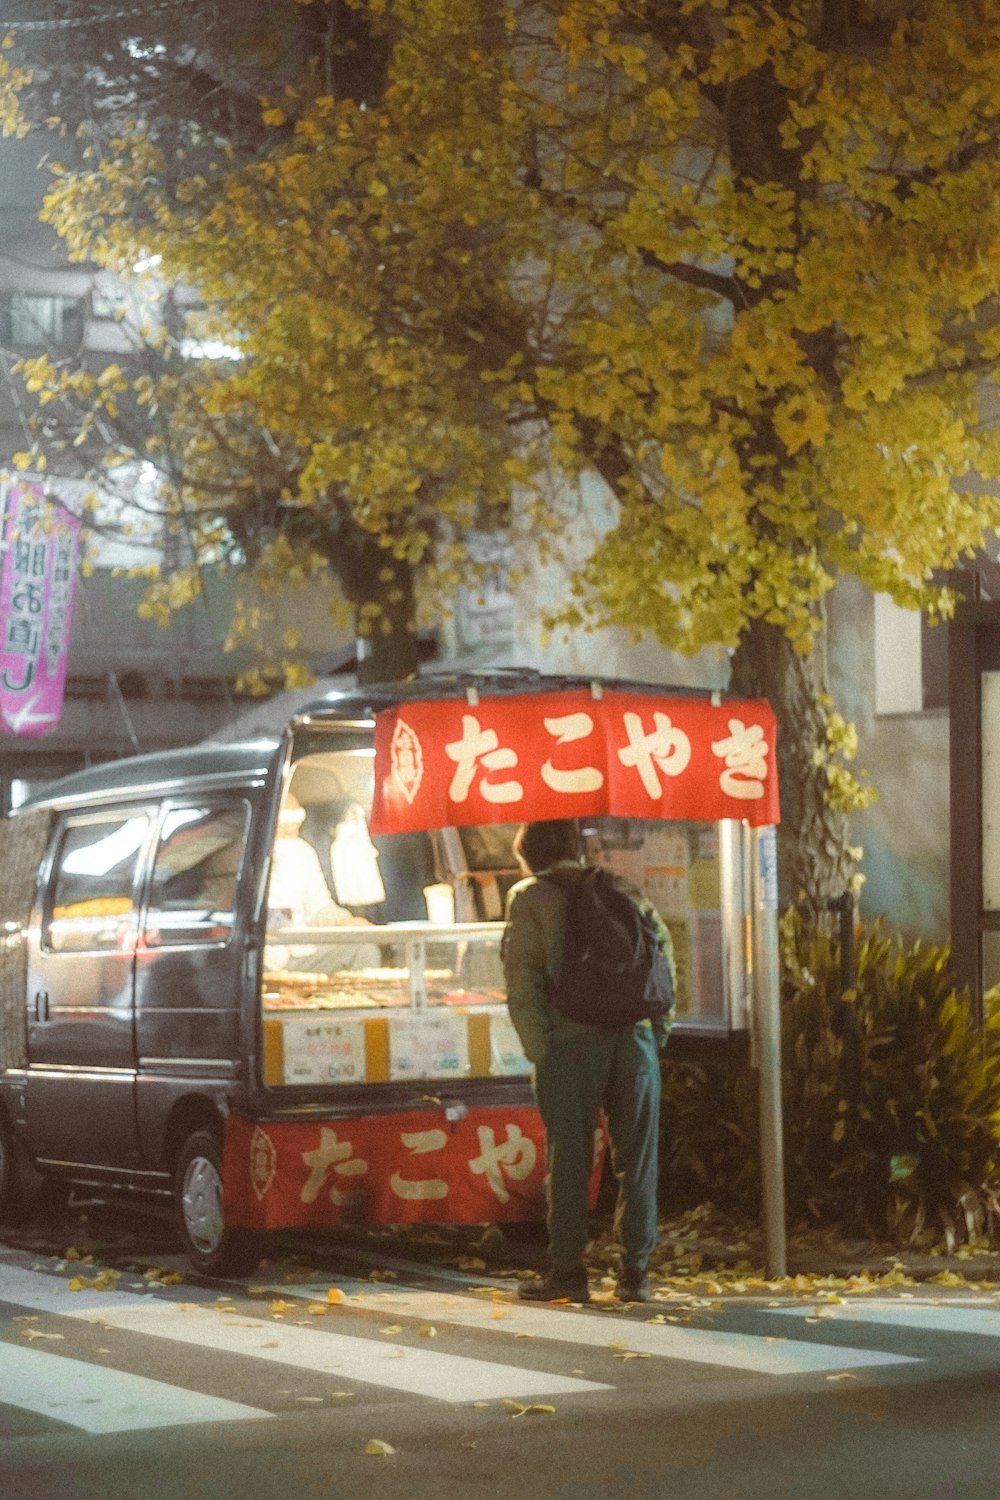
point(383, 957)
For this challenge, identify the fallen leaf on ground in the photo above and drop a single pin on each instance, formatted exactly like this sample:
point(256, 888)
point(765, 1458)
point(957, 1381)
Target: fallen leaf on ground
point(536, 1408)
point(335, 1295)
point(631, 1354)
point(427, 1331)
point(317, 1309)
point(392, 1328)
point(499, 1312)
point(36, 1333)
point(843, 1375)
point(375, 1448)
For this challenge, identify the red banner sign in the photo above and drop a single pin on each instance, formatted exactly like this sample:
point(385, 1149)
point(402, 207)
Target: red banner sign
point(412, 1167)
point(448, 763)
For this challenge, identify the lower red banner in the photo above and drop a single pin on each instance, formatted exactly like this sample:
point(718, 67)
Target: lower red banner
point(413, 1167)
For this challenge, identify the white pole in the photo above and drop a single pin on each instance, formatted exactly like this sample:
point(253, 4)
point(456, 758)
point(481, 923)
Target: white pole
point(766, 1023)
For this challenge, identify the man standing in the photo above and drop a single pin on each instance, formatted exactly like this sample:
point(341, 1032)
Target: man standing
point(578, 1069)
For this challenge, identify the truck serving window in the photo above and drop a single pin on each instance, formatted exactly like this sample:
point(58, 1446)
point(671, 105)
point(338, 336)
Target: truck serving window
point(193, 888)
point(91, 900)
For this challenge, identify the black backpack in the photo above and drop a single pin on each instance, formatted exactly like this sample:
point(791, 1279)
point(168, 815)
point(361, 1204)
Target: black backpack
point(614, 972)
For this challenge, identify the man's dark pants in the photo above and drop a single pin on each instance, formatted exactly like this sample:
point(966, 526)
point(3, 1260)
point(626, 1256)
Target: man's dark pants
point(620, 1071)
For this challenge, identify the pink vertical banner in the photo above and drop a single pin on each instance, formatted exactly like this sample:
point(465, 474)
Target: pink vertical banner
point(37, 582)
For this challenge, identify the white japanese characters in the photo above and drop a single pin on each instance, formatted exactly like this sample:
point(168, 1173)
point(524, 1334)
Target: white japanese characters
point(334, 1162)
point(666, 749)
point(476, 746)
point(656, 753)
point(566, 729)
point(743, 751)
point(516, 1156)
point(336, 1156)
point(424, 1188)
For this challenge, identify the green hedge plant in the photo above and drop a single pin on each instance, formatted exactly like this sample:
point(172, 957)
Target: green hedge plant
point(891, 1099)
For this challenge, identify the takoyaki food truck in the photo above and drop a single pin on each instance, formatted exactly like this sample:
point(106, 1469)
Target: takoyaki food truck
point(264, 979)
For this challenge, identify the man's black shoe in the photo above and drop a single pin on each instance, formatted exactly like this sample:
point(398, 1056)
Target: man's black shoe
point(556, 1286)
point(632, 1287)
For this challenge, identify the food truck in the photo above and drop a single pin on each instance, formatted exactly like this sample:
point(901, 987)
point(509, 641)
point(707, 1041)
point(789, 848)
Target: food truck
point(264, 980)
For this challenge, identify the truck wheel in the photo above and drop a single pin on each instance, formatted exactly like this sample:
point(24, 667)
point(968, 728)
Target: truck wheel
point(211, 1247)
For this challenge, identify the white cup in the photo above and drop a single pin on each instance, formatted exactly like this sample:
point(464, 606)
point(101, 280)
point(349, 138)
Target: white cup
point(440, 901)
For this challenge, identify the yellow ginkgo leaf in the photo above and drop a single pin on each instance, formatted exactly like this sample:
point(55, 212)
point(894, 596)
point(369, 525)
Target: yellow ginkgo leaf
point(536, 1408)
point(376, 1448)
point(335, 1295)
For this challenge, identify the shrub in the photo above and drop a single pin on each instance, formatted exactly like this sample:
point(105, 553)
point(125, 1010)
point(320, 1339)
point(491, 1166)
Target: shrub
point(891, 1099)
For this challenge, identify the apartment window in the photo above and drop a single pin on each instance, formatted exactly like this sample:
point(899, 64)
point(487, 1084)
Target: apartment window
point(31, 321)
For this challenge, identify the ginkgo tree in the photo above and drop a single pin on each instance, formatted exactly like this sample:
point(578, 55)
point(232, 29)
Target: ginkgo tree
point(739, 259)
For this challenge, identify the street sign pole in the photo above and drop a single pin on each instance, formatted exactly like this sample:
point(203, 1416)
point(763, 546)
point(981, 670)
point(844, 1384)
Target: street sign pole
point(766, 1024)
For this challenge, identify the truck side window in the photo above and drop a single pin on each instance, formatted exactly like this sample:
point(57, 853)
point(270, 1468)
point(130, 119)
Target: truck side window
point(193, 888)
point(91, 901)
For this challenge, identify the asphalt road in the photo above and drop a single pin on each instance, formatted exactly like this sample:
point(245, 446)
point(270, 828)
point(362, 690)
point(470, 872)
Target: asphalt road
point(118, 1381)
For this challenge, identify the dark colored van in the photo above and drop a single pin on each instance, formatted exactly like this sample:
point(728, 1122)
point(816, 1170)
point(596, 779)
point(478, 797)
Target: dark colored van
point(218, 987)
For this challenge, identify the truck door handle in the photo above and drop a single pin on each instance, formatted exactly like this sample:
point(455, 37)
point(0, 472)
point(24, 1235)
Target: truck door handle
point(41, 1005)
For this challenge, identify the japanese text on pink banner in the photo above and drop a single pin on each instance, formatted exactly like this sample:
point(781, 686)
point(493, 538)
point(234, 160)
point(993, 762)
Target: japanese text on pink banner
point(37, 584)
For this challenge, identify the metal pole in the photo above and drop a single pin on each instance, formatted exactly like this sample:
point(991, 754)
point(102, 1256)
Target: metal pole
point(767, 1038)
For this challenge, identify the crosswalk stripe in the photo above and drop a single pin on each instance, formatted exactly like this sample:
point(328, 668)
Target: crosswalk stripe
point(736, 1351)
point(97, 1399)
point(937, 1319)
point(445, 1377)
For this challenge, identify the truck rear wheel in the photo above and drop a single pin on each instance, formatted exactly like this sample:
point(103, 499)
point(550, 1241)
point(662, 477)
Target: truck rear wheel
point(210, 1244)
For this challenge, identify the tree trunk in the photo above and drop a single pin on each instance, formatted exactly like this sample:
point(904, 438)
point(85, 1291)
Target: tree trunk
point(387, 641)
point(813, 840)
point(380, 587)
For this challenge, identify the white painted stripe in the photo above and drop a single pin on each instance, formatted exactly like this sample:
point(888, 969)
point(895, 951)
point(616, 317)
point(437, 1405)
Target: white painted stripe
point(370, 1361)
point(40, 1292)
point(96, 1399)
point(595, 1329)
point(892, 1314)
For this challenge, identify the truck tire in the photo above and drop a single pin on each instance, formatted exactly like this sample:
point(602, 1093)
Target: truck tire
point(212, 1247)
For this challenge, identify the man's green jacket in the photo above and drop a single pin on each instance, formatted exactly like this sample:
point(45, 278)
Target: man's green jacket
point(533, 950)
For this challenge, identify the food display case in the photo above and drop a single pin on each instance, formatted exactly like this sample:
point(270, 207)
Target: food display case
point(430, 1006)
